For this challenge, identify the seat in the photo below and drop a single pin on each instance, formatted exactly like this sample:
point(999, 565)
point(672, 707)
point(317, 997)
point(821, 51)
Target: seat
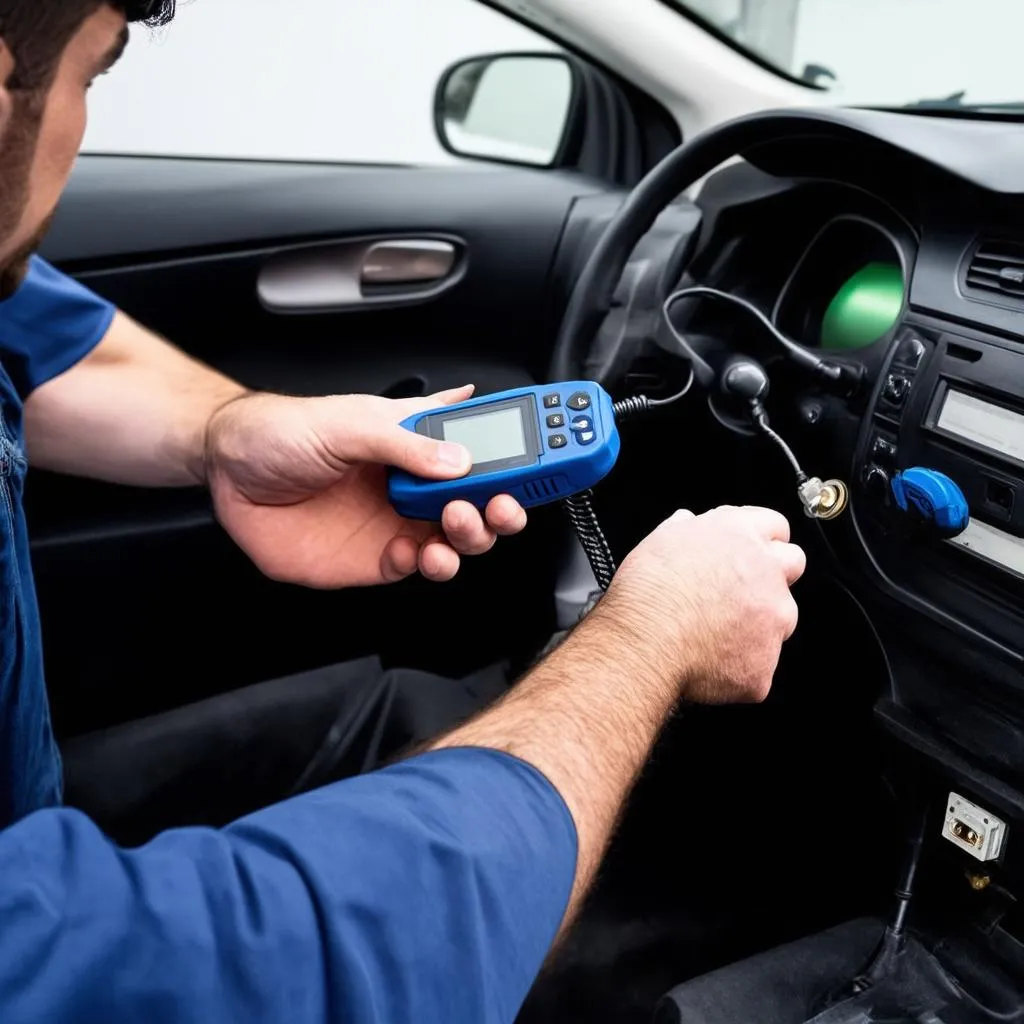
point(858, 973)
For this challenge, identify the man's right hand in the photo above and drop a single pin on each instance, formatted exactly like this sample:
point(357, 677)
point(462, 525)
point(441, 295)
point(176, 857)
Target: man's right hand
point(698, 611)
point(706, 600)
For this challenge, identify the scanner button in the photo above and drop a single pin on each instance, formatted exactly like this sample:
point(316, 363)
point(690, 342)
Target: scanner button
point(586, 437)
point(557, 441)
point(552, 401)
point(581, 423)
point(556, 420)
point(579, 401)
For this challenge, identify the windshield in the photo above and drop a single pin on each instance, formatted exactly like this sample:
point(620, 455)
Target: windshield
point(947, 53)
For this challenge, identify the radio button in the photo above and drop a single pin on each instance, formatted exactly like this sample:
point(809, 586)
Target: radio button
point(911, 352)
point(883, 450)
point(896, 389)
point(876, 482)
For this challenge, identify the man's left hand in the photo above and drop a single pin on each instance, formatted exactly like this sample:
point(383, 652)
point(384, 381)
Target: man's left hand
point(301, 486)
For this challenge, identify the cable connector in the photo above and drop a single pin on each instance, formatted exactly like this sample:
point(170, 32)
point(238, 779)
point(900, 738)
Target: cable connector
point(823, 499)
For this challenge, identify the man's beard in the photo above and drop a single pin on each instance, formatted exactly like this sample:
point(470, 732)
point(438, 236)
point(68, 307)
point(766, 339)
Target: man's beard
point(17, 152)
point(15, 267)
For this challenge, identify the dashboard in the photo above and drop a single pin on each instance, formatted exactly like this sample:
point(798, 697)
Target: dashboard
point(895, 245)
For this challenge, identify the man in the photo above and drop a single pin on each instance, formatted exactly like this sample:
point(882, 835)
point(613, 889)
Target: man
point(429, 891)
point(298, 485)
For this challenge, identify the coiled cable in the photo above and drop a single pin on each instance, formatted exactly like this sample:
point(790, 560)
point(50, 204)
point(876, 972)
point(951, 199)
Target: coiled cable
point(636, 405)
point(580, 509)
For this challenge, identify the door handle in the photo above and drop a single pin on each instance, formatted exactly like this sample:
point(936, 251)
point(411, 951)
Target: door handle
point(407, 261)
point(332, 276)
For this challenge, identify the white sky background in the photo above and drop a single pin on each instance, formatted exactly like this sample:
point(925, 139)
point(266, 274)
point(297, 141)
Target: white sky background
point(355, 79)
point(334, 79)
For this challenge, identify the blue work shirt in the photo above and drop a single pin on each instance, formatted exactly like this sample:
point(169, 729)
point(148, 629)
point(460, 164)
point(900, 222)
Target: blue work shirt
point(430, 891)
point(46, 327)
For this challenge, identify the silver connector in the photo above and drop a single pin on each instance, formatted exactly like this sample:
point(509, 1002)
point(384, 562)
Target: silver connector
point(824, 499)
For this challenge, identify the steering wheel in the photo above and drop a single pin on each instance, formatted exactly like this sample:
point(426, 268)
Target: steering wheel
point(592, 294)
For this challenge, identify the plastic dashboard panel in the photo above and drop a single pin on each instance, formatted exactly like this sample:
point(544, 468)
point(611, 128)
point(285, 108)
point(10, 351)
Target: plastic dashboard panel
point(951, 624)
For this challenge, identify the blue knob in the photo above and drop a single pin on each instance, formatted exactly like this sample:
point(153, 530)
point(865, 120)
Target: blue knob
point(932, 497)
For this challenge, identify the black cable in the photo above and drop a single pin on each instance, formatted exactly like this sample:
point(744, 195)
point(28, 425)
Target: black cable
point(629, 407)
point(904, 892)
point(760, 418)
point(580, 508)
point(584, 520)
point(805, 358)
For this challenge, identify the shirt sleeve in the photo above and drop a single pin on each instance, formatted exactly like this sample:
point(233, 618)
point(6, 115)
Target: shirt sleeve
point(430, 891)
point(49, 324)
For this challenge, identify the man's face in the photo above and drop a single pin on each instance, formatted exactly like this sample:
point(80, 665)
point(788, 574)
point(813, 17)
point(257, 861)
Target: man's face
point(39, 147)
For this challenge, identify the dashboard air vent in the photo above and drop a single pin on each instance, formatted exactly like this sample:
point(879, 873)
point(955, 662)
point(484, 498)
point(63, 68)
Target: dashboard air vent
point(997, 268)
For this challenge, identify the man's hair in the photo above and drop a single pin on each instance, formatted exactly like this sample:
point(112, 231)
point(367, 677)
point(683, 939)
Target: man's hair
point(38, 31)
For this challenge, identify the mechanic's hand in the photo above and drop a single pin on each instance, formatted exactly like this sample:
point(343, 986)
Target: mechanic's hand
point(707, 599)
point(301, 485)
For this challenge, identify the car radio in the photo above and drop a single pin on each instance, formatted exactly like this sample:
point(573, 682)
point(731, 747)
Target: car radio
point(954, 404)
point(957, 406)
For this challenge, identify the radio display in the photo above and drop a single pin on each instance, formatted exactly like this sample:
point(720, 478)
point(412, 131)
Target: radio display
point(984, 424)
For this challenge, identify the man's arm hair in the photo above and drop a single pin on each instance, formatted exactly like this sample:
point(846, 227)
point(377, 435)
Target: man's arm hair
point(587, 718)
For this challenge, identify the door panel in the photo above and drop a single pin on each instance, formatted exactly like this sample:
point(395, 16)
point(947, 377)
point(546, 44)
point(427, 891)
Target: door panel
point(146, 604)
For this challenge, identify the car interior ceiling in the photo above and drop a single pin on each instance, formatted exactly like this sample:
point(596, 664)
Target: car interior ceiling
point(753, 830)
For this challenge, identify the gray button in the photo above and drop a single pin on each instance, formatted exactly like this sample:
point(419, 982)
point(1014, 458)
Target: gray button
point(579, 401)
point(557, 441)
point(552, 401)
point(556, 420)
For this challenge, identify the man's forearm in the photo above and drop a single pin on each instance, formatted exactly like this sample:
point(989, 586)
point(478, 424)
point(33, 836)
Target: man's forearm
point(135, 411)
point(587, 718)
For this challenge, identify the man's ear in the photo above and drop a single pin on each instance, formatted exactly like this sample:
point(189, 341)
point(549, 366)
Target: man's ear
point(6, 68)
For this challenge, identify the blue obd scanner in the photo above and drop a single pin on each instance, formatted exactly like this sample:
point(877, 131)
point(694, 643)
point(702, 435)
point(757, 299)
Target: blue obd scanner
point(538, 444)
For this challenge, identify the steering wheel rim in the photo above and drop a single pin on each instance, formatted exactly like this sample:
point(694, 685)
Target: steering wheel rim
point(592, 294)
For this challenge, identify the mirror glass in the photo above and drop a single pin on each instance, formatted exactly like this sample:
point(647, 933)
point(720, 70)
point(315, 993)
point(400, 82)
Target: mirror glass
point(507, 108)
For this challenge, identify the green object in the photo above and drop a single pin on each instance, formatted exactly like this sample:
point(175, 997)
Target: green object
point(865, 308)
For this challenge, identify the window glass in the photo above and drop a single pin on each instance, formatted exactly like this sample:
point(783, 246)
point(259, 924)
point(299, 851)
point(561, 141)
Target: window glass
point(948, 53)
point(340, 80)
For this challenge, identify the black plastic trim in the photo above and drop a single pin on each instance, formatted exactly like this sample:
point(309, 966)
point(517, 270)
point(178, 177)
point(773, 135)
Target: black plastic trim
point(909, 730)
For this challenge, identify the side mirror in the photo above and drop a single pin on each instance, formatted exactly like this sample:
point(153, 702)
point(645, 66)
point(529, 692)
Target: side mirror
point(512, 108)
